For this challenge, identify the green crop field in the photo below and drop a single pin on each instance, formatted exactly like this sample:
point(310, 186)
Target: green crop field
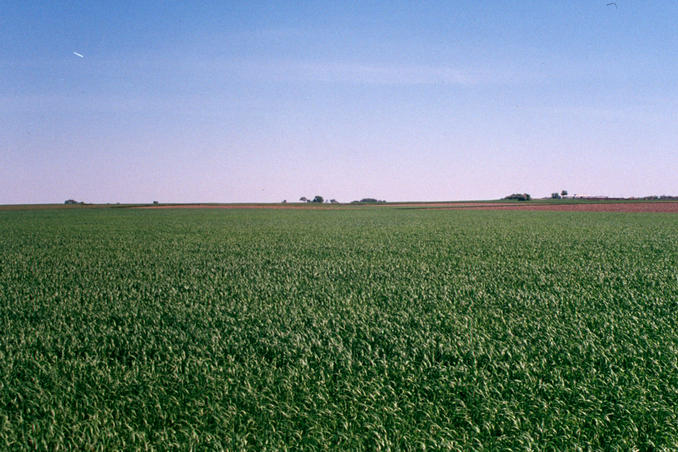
point(374, 328)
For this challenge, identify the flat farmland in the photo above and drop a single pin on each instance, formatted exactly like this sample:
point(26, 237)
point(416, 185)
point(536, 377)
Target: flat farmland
point(373, 328)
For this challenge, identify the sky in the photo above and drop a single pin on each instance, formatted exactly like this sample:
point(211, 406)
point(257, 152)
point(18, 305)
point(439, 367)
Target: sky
point(264, 101)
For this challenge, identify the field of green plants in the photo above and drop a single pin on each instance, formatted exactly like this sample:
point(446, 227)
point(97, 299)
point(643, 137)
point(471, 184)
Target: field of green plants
point(372, 328)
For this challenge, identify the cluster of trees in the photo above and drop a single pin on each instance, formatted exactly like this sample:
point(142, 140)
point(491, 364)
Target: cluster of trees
point(318, 199)
point(519, 196)
point(556, 195)
point(665, 197)
point(369, 201)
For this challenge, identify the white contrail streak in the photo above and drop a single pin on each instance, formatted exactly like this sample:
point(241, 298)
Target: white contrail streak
point(78, 54)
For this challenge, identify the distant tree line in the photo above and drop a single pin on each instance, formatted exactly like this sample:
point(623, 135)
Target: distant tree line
point(519, 196)
point(319, 200)
point(369, 201)
point(667, 197)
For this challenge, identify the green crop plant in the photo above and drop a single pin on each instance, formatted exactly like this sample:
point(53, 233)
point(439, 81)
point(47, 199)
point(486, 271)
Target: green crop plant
point(375, 328)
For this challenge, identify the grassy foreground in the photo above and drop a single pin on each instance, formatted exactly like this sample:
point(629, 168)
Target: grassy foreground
point(374, 329)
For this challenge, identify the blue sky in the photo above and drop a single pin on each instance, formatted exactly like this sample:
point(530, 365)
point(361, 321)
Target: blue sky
point(265, 101)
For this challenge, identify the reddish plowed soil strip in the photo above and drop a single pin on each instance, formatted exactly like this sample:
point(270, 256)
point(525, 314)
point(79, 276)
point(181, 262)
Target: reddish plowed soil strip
point(450, 205)
point(671, 207)
point(229, 206)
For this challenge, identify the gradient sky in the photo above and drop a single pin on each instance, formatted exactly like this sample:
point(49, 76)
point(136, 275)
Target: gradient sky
point(265, 101)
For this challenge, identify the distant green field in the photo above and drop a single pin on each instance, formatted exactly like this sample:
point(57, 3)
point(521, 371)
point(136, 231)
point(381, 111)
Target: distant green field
point(368, 329)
